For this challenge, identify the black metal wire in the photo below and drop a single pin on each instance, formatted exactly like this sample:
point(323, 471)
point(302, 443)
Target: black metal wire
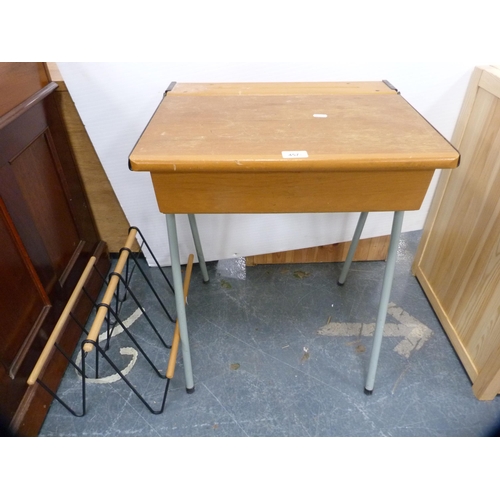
point(120, 277)
point(112, 319)
point(152, 255)
point(129, 384)
point(132, 338)
point(57, 398)
point(150, 285)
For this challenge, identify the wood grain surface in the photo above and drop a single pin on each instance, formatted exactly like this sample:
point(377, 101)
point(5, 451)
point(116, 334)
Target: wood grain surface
point(367, 131)
point(369, 249)
point(458, 260)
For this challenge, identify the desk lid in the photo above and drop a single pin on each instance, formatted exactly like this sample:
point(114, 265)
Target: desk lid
point(288, 127)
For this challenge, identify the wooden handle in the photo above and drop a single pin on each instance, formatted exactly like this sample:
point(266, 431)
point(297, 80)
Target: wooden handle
point(61, 323)
point(175, 342)
point(108, 295)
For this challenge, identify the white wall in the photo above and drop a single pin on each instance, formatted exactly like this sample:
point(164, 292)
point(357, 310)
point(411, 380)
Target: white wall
point(403, 42)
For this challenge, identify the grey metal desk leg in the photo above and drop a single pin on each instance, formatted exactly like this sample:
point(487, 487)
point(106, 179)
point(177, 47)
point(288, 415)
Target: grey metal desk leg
point(384, 300)
point(199, 249)
point(352, 247)
point(179, 300)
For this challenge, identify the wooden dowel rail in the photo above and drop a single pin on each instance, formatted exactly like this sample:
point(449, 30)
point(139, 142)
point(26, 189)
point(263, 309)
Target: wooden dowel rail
point(61, 323)
point(175, 342)
point(109, 293)
point(103, 307)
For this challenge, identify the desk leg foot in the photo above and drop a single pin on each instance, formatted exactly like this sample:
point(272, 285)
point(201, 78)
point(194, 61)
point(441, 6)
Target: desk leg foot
point(368, 392)
point(352, 248)
point(179, 299)
point(199, 249)
point(384, 299)
point(190, 391)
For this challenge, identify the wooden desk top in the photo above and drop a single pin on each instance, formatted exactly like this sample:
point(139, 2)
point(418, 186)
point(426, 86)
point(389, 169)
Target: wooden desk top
point(280, 127)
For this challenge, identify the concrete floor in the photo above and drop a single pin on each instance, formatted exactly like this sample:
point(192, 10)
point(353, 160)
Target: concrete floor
point(281, 350)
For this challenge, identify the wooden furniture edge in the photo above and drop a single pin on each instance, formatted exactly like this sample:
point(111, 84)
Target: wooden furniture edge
point(369, 249)
point(486, 385)
point(444, 176)
point(380, 87)
point(452, 334)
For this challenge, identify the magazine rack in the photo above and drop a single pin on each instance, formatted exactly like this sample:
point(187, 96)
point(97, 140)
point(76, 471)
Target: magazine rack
point(108, 312)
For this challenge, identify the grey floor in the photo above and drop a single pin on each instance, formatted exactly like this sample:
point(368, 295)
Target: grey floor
point(281, 350)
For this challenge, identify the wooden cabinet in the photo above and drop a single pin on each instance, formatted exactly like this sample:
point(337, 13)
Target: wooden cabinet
point(458, 259)
point(47, 234)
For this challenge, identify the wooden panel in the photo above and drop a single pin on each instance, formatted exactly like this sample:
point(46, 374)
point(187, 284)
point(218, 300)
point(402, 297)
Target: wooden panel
point(34, 192)
point(109, 217)
point(249, 133)
point(36, 195)
point(292, 192)
point(19, 81)
point(458, 260)
point(21, 291)
point(280, 88)
point(368, 249)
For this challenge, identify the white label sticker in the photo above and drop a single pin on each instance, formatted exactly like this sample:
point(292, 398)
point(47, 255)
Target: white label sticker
point(319, 115)
point(294, 154)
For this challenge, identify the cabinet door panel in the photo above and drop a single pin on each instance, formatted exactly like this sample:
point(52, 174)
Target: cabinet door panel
point(23, 305)
point(36, 195)
point(44, 202)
